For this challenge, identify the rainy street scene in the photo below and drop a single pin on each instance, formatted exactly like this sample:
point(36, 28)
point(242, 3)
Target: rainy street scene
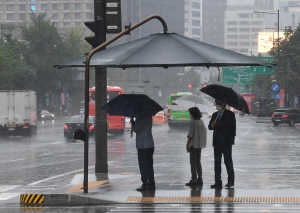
point(149, 106)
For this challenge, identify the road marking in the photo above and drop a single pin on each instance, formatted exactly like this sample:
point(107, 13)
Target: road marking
point(4, 188)
point(241, 170)
point(18, 159)
point(6, 196)
point(57, 176)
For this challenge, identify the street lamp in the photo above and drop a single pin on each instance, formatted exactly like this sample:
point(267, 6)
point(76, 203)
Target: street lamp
point(277, 27)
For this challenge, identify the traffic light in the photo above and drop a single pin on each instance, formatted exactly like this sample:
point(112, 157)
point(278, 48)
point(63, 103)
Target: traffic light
point(191, 86)
point(92, 40)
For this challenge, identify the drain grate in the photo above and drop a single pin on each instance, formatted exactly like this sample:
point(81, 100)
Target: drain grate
point(213, 199)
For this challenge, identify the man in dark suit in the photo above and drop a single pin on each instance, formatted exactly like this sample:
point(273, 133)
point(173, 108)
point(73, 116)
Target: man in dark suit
point(224, 125)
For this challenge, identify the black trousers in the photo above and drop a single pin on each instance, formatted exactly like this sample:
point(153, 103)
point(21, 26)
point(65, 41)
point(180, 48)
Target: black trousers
point(227, 153)
point(145, 158)
point(195, 162)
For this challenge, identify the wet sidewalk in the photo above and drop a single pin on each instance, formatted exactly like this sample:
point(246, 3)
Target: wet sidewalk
point(121, 188)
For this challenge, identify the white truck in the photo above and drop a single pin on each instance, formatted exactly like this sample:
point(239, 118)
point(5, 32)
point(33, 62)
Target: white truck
point(18, 113)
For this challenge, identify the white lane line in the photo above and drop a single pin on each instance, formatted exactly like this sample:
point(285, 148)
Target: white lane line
point(18, 159)
point(273, 128)
point(6, 196)
point(241, 170)
point(4, 188)
point(57, 176)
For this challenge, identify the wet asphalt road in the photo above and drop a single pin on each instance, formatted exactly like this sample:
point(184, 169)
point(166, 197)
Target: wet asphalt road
point(265, 157)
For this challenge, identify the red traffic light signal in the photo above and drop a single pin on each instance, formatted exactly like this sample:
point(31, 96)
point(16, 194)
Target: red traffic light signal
point(190, 85)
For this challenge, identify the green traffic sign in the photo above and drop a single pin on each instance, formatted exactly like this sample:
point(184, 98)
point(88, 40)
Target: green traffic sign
point(237, 75)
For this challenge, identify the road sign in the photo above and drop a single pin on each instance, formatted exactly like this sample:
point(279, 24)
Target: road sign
point(296, 101)
point(113, 16)
point(263, 70)
point(275, 87)
point(237, 75)
point(276, 96)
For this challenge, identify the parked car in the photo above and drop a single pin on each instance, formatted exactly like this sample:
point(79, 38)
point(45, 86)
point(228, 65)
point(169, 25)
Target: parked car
point(288, 115)
point(77, 122)
point(45, 114)
point(159, 118)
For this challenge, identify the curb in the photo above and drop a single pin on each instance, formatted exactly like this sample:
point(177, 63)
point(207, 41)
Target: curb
point(66, 199)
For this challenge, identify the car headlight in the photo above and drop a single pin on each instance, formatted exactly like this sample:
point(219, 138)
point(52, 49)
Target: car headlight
point(52, 115)
point(43, 116)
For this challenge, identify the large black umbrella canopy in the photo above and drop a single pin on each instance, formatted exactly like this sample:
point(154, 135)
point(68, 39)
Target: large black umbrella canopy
point(226, 95)
point(165, 50)
point(132, 105)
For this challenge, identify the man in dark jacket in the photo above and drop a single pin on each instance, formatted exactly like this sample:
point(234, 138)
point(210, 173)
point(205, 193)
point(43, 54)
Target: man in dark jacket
point(142, 126)
point(224, 125)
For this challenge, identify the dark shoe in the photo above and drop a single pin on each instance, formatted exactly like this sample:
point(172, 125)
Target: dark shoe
point(200, 182)
point(191, 183)
point(229, 185)
point(216, 186)
point(142, 188)
point(151, 188)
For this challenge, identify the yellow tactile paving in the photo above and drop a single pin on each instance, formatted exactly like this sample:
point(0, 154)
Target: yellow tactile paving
point(165, 199)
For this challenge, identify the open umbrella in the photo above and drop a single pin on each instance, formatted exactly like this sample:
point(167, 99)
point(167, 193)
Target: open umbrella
point(187, 101)
point(132, 105)
point(226, 95)
point(165, 50)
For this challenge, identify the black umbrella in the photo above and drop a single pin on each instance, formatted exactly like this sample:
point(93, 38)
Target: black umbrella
point(132, 105)
point(226, 95)
point(165, 50)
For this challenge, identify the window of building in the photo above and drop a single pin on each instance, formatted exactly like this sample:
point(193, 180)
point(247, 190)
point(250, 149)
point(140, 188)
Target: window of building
point(89, 16)
point(186, 20)
point(55, 7)
point(244, 36)
point(77, 6)
point(9, 0)
point(77, 15)
point(243, 15)
point(232, 23)
point(232, 37)
point(254, 43)
point(33, 0)
point(196, 5)
point(33, 7)
point(232, 43)
point(244, 23)
point(66, 24)
point(66, 16)
point(233, 49)
point(243, 50)
point(89, 6)
point(66, 6)
point(256, 30)
point(77, 24)
point(196, 31)
point(196, 23)
point(256, 22)
point(244, 43)
point(256, 15)
point(244, 30)
point(22, 17)
point(186, 12)
point(22, 7)
point(43, 7)
point(10, 17)
point(186, 29)
point(22, 0)
point(55, 16)
point(232, 30)
point(253, 36)
point(196, 14)
point(10, 7)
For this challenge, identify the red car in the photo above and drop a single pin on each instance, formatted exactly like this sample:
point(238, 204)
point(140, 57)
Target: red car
point(159, 118)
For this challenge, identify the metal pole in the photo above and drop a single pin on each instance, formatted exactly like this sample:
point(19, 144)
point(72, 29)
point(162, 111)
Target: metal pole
point(278, 38)
point(86, 89)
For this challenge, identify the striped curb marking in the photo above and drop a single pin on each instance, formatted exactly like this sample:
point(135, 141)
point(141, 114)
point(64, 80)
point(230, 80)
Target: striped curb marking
point(214, 199)
point(32, 198)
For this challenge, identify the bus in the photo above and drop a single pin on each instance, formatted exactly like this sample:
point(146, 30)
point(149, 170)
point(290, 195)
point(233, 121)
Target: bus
point(177, 115)
point(116, 123)
point(248, 98)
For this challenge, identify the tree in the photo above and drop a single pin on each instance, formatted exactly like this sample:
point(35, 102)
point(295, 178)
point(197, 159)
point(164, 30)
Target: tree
point(14, 73)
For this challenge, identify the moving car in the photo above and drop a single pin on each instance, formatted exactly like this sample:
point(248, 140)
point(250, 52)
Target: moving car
point(45, 114)
point(288, 115)
point(77, 122)
point(159, 118)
